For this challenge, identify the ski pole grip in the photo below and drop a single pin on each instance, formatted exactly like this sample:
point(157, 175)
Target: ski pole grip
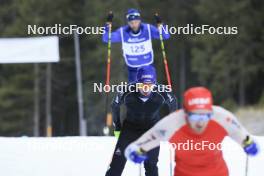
point(157, 18)
point(110, 17)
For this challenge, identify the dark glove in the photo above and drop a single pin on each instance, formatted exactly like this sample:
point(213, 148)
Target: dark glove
point(110, 17)
point(157, 18)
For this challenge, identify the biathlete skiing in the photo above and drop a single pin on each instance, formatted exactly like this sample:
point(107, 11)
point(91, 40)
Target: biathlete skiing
point(142, 113)
point(136, 38)
point(198, 121)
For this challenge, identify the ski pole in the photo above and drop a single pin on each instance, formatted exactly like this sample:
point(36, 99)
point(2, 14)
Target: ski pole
point(171, 161)
point(107, 81)
point(140, 169)
point(246, 171)
point(108, 68)
point(158, 21)
point(109, 52)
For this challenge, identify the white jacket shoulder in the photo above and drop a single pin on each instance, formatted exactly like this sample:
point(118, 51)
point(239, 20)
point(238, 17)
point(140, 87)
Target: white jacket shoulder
point(229, 122)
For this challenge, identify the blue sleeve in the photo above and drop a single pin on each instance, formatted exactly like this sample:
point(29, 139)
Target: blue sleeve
point(155, 33)
point(115, 35)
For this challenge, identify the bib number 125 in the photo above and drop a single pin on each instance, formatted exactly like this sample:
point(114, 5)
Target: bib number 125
point(137, 48)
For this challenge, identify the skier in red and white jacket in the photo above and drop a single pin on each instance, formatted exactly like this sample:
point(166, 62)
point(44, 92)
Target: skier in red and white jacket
point(198, 121)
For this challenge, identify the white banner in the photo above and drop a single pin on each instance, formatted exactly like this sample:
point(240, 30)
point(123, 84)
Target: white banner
point(29, 50)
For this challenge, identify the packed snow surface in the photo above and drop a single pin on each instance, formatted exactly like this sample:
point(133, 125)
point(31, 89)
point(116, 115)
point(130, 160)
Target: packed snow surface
point(87, 156)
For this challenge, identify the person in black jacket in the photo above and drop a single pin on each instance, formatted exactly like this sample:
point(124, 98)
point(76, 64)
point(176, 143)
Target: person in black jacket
point(143, 103)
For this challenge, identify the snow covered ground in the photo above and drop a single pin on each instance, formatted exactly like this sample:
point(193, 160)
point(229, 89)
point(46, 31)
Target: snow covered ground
point(85, 156)
point(252, 119)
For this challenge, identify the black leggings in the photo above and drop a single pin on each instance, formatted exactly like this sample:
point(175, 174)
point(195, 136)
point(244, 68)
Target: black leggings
point(128, 135)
